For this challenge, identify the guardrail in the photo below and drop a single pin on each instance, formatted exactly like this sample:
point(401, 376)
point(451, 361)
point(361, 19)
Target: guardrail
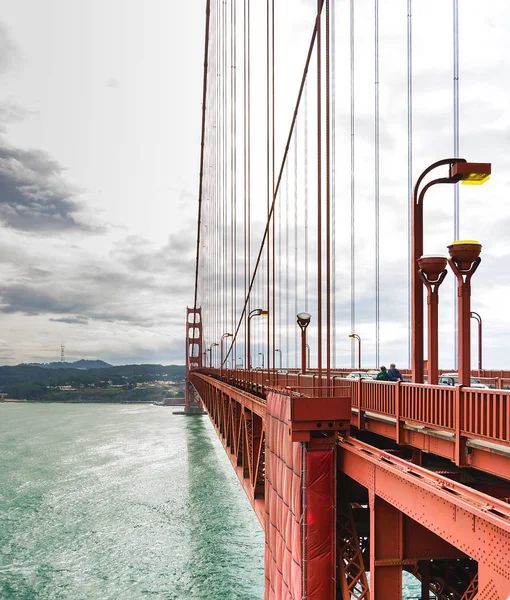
point(470, 412)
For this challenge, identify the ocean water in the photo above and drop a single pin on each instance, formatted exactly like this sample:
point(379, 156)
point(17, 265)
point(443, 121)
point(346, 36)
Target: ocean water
point(122, 502)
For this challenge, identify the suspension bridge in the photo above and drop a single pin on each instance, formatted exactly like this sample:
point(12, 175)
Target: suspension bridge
point(354, 480)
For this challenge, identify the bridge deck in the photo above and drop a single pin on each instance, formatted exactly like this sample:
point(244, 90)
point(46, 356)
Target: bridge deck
point(391, 514)
point(468, 426)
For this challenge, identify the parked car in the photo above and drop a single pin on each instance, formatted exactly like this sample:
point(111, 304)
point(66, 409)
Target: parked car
point(359, 375)
point(453, 379)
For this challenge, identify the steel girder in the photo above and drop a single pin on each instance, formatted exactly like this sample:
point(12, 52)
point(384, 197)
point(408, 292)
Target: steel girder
point(239, 420)
point(475, 524)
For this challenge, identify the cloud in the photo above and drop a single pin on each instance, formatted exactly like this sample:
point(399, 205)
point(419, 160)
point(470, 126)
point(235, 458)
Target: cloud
point(137, 282)
point(9, 51)
point(72, 320)
point(13, 113)
point(112, 83)
point(34, 196)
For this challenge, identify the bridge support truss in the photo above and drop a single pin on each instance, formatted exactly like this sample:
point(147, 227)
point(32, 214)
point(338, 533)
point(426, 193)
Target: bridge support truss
point(334, 508)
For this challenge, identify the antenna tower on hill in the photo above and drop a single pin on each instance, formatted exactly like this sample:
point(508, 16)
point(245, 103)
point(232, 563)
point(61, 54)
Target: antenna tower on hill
point(62, 355)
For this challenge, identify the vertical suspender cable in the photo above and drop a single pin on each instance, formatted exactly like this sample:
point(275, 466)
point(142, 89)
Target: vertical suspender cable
point(319, 194)
point(333, 183)
point(224, 187)
point(268, 189)
point(273, 344)
point(280, 309)
point(353, 236)
point(287, 328)
point(219, 180)
point(376, 174)
point(409, 169)
point(233, 92)
point(328, 202)
point(305, 169)
point(456, 226)
point(296, 335)
point(278, 180)
point(245, 165)
point(248, 151)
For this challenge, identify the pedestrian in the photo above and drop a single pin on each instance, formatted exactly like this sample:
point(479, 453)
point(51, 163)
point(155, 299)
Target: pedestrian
point(394, 374)
point(382, 375)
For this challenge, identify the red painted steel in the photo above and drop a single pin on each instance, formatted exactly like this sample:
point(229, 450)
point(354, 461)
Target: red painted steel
point(239, 420)
point(453, 422)
point(292, 482)
point(476, 524)
point(464, 261)
point(283, 508)
point(194, 345)
point(392, 514)
point(320, 521)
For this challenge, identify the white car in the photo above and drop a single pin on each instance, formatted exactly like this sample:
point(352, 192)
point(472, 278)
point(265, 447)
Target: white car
point(358, 375)
point(453, 379)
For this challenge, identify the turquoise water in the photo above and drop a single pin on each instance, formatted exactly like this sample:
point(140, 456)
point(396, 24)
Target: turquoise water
point(121, 502)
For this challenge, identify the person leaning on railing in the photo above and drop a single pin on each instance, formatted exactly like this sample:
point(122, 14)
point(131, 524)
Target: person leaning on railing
point(394, 374)
point(382, 375)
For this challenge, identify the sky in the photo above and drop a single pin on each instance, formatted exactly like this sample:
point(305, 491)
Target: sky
point(99, 158)
point(100, 108)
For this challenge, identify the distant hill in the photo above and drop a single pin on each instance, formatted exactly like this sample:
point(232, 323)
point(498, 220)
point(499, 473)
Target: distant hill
point(79, 364)
point(29, 381)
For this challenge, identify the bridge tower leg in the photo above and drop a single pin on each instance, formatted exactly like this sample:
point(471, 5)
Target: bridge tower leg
point(194, 346)
point(301, 495)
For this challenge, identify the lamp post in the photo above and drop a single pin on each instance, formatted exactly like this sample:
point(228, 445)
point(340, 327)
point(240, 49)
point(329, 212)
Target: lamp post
point(460, 170)
point(278, 350)
point(356, 336)
point(262, 354)
point(254, 313)
point(477, 317)
point(225, 335)
point(210, 352)
point(464, 260)
point(303, 320)
point(205, 357)
point(432, 271)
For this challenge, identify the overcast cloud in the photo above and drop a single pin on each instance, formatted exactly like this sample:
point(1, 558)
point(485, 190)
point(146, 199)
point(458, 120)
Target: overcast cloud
point(99, 164)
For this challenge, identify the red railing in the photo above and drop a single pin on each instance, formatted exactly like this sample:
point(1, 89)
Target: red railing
point(482, 413)
point(427, 404)
point(486, 414)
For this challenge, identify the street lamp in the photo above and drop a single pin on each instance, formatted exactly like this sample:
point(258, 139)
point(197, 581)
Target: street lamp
point(303, 320)
point(254, 313)
point(278, 350)
point(464, 260)
point(356, 336)
point(225, 335)
point(477, 317)
point(205, 358)
point(432, 271)
point(262, 354)
point(460, 170)
point(210, 352)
